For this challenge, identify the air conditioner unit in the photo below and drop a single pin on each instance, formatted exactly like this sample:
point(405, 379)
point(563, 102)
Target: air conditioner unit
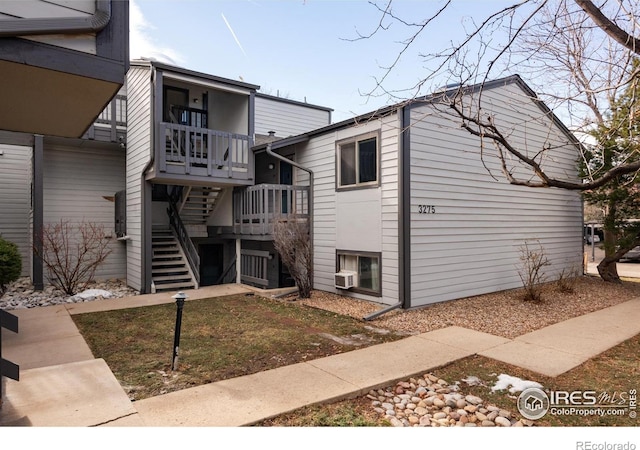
point(345, 279)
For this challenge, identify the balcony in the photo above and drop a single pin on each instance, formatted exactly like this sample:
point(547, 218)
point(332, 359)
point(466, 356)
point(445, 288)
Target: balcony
point(111, 124)
point(257, 208)
point(190, 152)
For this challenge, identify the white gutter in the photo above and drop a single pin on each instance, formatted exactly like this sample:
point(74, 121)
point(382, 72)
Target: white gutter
point(59, 25)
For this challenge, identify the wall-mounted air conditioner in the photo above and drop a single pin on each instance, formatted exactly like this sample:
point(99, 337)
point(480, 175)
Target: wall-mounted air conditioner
point(345, 279)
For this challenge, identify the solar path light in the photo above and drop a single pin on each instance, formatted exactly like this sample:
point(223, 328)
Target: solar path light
point(180, 298)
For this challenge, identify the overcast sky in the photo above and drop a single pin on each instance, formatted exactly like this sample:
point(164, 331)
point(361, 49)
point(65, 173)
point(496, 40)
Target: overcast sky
point(302, 49)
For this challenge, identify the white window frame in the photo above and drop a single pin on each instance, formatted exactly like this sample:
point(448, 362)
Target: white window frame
point(356, 140)
point(357, 255)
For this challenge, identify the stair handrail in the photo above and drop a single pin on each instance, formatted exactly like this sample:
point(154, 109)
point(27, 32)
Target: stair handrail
point(186, 243)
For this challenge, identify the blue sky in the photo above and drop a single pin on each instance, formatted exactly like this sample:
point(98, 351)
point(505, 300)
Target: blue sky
point(297, 49)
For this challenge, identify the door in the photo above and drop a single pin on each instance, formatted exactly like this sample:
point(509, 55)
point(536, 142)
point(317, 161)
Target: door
point(211, 263)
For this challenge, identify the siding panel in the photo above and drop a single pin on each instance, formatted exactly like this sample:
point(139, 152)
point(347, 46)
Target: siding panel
point(15, 199)
point(287, 119)
point(472, 244)
point(76, 182)
point(319, 155)
point(138, 154)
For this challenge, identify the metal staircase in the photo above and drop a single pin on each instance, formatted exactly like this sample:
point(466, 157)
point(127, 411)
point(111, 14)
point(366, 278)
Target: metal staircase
point(170, 270)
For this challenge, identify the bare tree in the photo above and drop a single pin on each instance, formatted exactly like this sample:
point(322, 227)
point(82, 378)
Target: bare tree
point(73, 252)
point(577, 54)
point(293, 243)
point(580, 54)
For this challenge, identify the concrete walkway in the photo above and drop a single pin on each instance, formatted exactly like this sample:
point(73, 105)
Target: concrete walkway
point(63, 385)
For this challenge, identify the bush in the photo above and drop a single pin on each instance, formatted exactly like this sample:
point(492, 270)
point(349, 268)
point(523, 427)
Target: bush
point(10, 264)
point(293, 243)
point(531, 271)
point(73, 252)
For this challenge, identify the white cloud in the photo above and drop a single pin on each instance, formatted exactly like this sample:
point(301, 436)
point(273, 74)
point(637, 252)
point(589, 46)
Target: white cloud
point(142, 44)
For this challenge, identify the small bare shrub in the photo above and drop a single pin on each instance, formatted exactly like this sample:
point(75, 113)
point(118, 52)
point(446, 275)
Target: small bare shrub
point(293, 243)
point(73, 252)
point(533, 261)
point(567, 280)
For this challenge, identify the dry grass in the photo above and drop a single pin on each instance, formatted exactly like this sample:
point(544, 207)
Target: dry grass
point(502, 314)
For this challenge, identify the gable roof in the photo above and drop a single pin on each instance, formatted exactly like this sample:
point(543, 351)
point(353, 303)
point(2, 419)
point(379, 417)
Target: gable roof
point(428, 99)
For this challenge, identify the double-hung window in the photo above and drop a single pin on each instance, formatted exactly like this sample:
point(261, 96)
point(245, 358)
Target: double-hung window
point(357, 162)
point(366, 265)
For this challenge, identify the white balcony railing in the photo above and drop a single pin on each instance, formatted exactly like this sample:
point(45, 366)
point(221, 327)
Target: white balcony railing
point(257, 208)
point(187, 150)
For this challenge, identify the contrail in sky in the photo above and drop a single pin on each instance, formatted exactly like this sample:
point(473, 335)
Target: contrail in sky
point(233, 34)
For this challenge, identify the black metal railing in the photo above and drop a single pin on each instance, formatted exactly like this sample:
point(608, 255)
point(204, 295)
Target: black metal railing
point(193, 117)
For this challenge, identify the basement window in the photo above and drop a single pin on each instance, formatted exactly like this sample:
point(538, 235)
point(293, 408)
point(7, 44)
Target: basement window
point(366, 265)
point(357, 162)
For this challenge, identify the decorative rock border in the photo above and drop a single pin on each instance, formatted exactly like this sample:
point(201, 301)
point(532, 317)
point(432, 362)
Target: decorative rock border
point(432, 402)
point(21, 295)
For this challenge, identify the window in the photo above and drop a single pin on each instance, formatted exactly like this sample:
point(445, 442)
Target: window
point(366, 265)
point(358, 162)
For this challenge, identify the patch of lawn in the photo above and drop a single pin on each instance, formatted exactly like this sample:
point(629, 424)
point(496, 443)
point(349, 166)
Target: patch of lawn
point(221, 338)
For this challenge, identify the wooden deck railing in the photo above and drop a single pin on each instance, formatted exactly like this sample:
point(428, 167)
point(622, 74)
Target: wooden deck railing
point(254, 267)
point(256, 208)
point(187, 150)
point(111, 124)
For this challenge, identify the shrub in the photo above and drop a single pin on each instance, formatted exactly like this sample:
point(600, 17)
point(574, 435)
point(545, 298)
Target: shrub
point(10, 264)
point(567, 280)
point(293, 243)
point(73, 252)
point(532, 263)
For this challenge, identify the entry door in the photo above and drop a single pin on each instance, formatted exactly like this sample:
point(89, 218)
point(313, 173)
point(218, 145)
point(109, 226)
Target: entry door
point(211, 263)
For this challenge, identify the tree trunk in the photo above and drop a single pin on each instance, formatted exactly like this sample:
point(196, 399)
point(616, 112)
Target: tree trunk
point(608, 270)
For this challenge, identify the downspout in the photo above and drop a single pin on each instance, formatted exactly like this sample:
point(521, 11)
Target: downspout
point(404, 217)
point(310, 172)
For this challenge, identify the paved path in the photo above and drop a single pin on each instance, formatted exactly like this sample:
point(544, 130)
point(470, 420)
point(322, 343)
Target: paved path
point(63, 385)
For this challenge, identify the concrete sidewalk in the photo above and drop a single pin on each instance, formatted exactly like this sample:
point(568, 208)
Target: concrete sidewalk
point(63, 385)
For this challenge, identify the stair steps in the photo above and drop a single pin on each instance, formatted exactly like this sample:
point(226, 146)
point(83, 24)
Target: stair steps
point(169, 267)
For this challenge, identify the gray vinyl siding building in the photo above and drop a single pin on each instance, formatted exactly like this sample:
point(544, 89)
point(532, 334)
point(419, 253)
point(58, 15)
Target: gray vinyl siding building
point(139, 145)
point(472, 244)
point(435, 224)
point(15, 196)
point(79, 185)
point(55, 50)
point(287, 117)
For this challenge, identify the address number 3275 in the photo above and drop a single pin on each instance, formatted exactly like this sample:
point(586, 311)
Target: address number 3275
point(426, 209)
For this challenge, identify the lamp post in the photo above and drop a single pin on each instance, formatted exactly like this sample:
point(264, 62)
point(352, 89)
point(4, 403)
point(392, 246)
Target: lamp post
point(180, 298)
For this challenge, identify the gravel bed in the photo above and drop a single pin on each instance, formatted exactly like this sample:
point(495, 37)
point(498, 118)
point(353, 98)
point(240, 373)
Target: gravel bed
point(502, 314)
